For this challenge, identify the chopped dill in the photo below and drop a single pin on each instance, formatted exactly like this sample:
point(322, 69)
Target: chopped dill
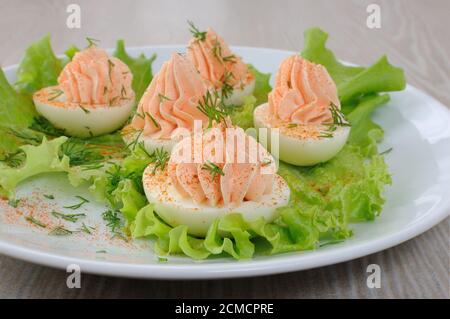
point(84, 109)
point(213, 169)
point(41, 124)
point(387, 151)
point(69, 217)
point(86, 229)
point(338, 116)
point(60, 231)
point(92, 42)
point(212, 106)
point(229, 58)
point(49, 196)
point(27, 136)
point(114, 222)
point(196, 33)
point(76, 206)
point(14, 202)
point(79, 152)
point(14, 160)
point(160, 157)
point(163, 98)
point(153, 120)
point(55, 94)
point(110, 67)
point(35, 221)
point(227, 88)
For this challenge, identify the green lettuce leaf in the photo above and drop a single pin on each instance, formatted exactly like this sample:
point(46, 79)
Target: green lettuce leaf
point(16, 113)
point(364, 132)
point(243, 115)
point(262, 86)
point(141, 67)
point(352, 82)
point(39, 67)
point(43, 158)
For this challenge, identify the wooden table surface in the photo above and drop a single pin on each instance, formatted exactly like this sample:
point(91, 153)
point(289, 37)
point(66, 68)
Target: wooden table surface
point(413, 33)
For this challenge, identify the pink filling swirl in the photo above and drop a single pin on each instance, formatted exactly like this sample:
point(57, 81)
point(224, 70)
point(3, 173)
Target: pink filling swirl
point(93, 78)
point(216, 62)
point(303, 92)
point(227, 172)
point(171, 101)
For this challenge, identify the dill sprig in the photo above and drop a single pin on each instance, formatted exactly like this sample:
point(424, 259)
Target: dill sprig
point(153, 120)
point(227, 88)
point(86, 229)
point(14, 202)
point(69, 217)
point(213, 169)
point(160, 157)
point(60, 231)
point(13, 160)
point(113, 221)
point(76, 206)
point(338, 116)
point(92, 42)
point(196, 33)
point(326, 135)
point(163, 98)
point(85, 110)
point(41, 124)
point(212, 106)
point(55, 94)
point(92, 166)
point(79, 152)
point(110, 67)
point(26, 135)
point(217, 50)
point(132, 145)
point(387, 151)
point(229, 58)
point(35, 221)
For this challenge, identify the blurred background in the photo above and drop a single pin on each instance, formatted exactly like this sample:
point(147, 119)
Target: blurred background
point(409, 29)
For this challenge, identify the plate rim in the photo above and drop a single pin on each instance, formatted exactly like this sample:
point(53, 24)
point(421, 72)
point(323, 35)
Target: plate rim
point(250, 268)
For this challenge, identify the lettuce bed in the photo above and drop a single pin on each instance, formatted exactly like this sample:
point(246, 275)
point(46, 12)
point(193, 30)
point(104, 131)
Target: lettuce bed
point(325, 198)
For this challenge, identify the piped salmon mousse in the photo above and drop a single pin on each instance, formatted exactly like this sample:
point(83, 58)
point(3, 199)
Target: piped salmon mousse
point(304, 106)
point(93, 96)
point(220, 67)
point(213, 173)
point(169, 107)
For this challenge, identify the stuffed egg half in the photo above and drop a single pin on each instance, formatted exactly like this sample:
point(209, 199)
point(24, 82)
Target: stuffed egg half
point(208, 176)
point(304, 108)
point(169, 107)
point(220, 67)
point(93, 96)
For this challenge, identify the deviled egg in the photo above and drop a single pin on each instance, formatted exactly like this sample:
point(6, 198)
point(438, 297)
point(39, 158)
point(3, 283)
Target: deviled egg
point(214, 173)
point(304, 106)
point(220, 67)
point(93, 96)
point(169, 106)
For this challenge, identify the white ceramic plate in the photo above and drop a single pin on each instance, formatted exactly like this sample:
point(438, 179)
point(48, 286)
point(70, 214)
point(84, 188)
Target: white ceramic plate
point(416, 126)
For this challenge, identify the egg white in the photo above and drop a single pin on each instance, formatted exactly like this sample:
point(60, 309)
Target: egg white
point(304, 151)
point(176, 210)
point(238, 94)
point(81, 122)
